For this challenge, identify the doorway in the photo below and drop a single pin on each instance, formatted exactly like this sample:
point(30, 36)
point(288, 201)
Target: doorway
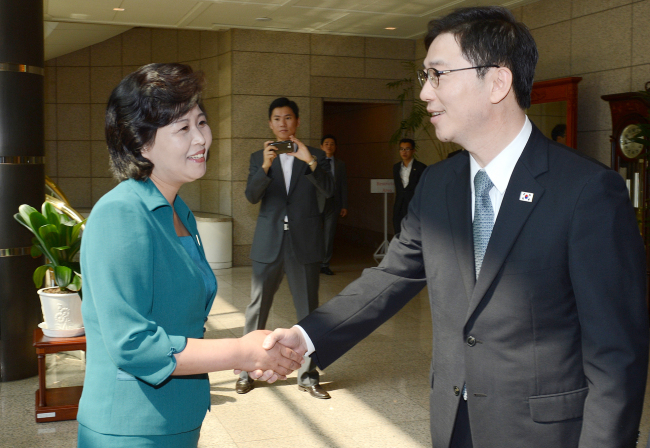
point(363, 131)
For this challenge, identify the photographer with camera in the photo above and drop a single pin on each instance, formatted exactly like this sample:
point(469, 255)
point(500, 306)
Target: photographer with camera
point(286, 176)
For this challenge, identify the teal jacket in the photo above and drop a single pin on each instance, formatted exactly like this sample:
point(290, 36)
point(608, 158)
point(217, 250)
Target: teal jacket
point(143, 296)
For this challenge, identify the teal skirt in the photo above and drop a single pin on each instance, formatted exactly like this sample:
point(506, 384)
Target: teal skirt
point(87, 438)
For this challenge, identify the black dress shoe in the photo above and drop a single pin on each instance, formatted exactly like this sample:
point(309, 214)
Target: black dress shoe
point(315, 391)
point(244, 386)
point(326, 270)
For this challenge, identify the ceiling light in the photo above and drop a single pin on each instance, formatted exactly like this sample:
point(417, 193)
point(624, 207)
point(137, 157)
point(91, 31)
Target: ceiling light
point(264, 19)
point(118, 9)
point(391, 28)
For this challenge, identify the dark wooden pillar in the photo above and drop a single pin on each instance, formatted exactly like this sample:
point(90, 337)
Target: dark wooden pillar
point(22, 173)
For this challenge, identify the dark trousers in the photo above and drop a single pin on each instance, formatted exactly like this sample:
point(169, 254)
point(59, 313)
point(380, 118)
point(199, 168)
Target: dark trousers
point(462, 435)
point(303, 282)
point(330, 218)
point(399, 212)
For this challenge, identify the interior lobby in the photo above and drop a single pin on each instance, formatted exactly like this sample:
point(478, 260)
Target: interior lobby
point(339, 80)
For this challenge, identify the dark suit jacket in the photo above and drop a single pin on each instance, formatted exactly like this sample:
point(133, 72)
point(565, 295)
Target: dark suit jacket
point(340, 198)
point(552, 339)
point(300, 205)
point(406, 194)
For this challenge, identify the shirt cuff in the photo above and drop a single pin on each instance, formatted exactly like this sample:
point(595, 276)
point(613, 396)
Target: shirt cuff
point(310, 345)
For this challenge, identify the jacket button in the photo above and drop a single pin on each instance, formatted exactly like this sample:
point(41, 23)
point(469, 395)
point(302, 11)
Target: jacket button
point(456, 391)
point(471, 341)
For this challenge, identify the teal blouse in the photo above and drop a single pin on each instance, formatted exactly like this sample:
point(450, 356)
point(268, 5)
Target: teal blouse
point(143, 296)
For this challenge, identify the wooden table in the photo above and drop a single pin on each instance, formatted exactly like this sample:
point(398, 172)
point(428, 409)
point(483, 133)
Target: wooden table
point(53, 405)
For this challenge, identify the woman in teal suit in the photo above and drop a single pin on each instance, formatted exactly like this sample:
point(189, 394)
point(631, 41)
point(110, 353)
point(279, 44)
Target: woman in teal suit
point(148, 288)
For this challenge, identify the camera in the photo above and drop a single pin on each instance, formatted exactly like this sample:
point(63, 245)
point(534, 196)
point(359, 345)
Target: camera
point(284, 147)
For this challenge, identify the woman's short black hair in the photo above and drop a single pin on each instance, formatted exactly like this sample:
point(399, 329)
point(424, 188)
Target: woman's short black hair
point(491, 35)
point(150, 98)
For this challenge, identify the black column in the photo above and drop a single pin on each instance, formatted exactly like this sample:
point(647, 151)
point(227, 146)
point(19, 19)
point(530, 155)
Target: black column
point(22, 173)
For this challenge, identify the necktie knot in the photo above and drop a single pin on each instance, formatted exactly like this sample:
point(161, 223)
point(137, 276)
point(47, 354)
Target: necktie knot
point(482, 184)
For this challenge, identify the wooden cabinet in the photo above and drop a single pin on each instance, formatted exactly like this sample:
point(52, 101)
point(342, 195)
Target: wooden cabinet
point(631, 159)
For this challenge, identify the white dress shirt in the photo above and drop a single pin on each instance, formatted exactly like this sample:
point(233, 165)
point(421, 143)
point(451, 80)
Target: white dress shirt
point(287, 168)
point(498, 170)
point(405, 172)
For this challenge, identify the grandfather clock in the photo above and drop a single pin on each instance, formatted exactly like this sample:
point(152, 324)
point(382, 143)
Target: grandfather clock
point(630, 159)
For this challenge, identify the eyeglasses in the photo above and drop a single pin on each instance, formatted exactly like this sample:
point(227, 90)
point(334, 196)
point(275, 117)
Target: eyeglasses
point(433, 75)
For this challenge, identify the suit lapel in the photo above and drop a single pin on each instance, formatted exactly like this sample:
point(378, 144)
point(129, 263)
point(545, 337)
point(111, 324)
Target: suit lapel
point(459, 202)
point(513, 213)
point(277, 166)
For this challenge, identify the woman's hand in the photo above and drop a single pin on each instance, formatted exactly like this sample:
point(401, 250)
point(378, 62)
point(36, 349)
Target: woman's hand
point(267, 365)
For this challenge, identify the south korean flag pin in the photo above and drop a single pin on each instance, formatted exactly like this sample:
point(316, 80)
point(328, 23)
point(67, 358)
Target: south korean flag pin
point(526, 197)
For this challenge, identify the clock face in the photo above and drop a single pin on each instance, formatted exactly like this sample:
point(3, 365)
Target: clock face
point(629, 148)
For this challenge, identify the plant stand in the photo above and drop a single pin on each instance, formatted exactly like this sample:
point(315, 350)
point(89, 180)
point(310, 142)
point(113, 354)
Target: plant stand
point(57, 404)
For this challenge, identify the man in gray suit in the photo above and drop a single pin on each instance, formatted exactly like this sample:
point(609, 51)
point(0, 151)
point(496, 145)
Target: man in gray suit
point(289, 232)
point(531, 254)
point(337, 205)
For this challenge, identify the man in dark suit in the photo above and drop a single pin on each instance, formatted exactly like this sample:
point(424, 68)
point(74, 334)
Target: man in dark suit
point(289, 232)
point(406, 175)
point(335, 206)
point(531, 254)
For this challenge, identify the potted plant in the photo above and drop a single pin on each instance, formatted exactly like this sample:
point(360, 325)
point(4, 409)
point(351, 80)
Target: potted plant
point(58, 238)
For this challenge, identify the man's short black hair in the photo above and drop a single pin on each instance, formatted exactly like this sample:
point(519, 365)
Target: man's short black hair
point(409, 141)
point(492, 36)
point(326, 136)
point(558, 131)
point(283, 102)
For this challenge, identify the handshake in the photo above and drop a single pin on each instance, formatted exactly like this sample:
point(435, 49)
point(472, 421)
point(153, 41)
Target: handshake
point(271, 356)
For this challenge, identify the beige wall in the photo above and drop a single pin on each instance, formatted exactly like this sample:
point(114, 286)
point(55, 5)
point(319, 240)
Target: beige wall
point(309, 69)
point(245, 70)
point(603, 41)
point(77, 88)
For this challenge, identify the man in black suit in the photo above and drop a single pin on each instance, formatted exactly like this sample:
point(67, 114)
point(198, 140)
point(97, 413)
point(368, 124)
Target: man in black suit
point(289, 232)
point(337, 205)
point(406, 175)
point(531, 254)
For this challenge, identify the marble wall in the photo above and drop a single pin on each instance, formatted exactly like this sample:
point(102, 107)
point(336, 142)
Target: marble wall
point(603, 41)
point(77, 88)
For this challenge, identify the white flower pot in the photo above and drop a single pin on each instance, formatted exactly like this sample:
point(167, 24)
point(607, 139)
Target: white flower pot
point(61, 311)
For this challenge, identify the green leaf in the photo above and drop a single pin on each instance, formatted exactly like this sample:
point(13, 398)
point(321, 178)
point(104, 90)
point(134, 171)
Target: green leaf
point(36, 251)
point(36, 220)
point(61, 248)
point(62, 276)
point(25, 210)
point(76, 283)
point(39, 273)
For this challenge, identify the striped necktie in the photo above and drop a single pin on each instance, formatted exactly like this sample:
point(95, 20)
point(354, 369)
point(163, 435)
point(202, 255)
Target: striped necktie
point(483, 217)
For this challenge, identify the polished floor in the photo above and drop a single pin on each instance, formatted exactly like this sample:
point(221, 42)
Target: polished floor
point(379, 389)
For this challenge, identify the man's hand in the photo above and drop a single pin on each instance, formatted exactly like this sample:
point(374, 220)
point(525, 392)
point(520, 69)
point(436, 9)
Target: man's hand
point(344, 212)
point(269, 156)
point(267, 364)
point(291, 338)
point(302, 153)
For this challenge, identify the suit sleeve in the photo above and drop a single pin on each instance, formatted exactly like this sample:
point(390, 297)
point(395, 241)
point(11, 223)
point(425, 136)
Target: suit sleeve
point(607, 268)
point(371, 300)
point(258, 180)
point(118, 266)
point(321, 178)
